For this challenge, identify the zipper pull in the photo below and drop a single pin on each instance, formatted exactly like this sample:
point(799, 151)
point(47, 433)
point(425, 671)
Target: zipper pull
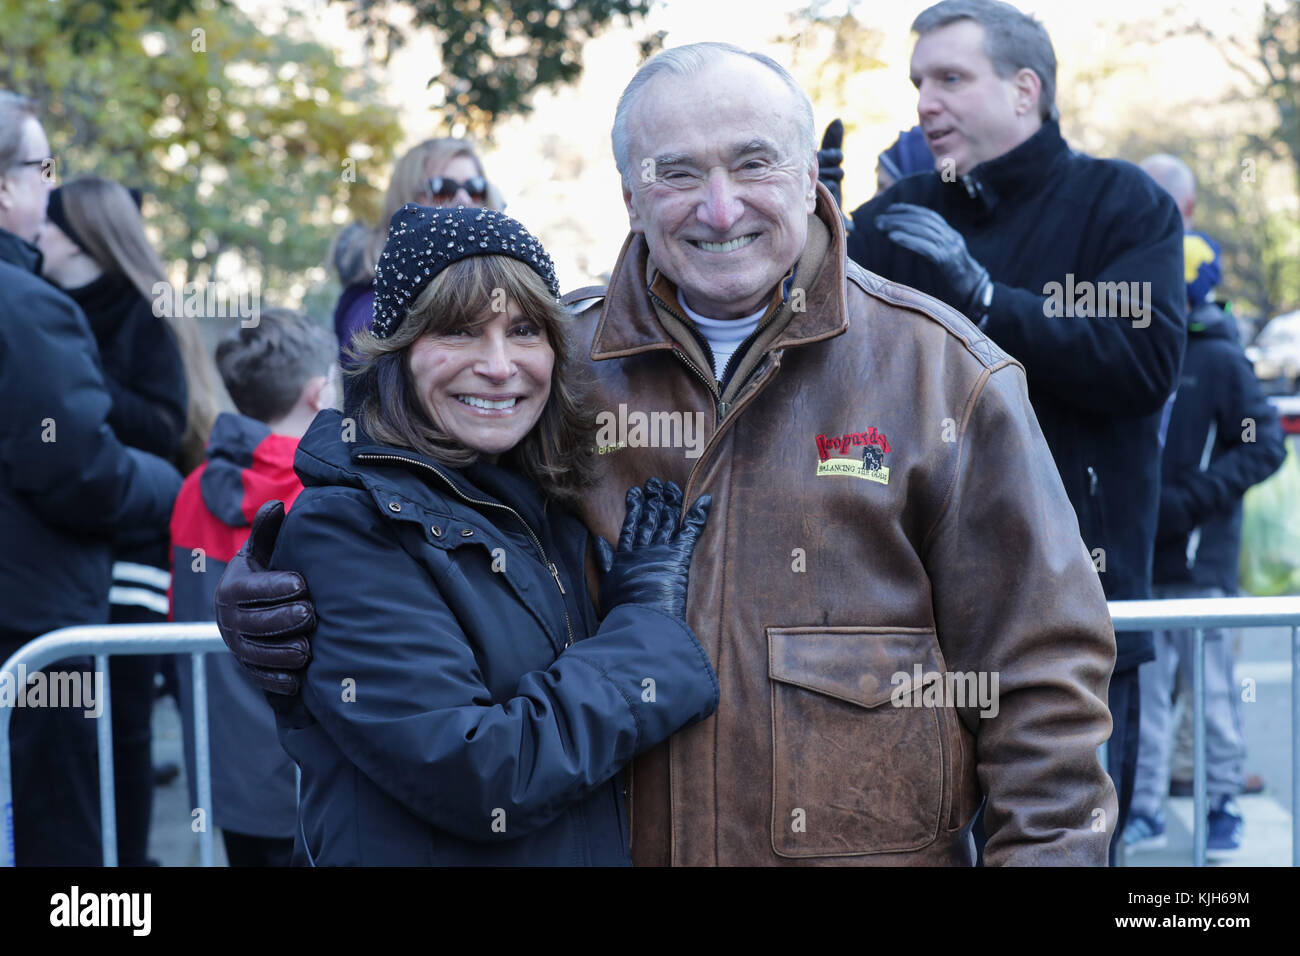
point(723, 408)
point(1092, 481)
point(555, 573)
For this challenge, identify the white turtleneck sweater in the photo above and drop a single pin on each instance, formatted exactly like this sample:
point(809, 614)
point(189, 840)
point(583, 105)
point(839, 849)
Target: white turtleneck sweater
point(723, 335)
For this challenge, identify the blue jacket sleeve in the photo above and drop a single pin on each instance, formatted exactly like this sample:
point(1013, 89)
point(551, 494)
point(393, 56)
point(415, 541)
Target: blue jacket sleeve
point(1250, 447)
point(422, 724)
point(60, 451)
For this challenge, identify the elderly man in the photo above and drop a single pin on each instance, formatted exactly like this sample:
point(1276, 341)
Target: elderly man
point(1071, 264)
point(891, 587)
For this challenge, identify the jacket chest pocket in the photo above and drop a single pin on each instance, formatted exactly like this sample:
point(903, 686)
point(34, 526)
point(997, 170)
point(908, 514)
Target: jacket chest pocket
point(852, 771)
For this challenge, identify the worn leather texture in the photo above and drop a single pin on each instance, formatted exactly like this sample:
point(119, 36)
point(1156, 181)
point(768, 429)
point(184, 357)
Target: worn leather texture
point(810, 591)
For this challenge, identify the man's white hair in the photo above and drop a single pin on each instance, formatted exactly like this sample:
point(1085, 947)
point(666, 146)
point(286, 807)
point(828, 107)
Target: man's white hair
point(693, 59)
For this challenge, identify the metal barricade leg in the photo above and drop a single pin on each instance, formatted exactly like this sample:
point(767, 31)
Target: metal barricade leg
point(1295, 746)
point(107, 774)
point(1199, 812)
point(7, 849)
point(202, 756)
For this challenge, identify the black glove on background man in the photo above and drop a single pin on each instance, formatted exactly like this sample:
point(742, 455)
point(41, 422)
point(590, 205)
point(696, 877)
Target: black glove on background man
point(830, 160)
point(928, 234)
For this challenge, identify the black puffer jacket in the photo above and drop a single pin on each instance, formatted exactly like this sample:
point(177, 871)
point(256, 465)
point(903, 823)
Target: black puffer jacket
point(463, 705)
point(66, 482)
point(145, 376)
point(1224, 437)
point(1041, 214)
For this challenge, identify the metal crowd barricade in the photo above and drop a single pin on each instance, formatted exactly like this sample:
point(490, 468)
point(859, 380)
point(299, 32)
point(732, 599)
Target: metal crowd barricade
point(200, 639)
point(1198, 613)
point(100, 641)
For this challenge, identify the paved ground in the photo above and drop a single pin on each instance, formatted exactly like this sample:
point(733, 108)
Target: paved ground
point(171, 840)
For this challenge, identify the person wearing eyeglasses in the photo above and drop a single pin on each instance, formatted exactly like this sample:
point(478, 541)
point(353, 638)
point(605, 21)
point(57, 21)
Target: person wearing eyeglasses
point(436, 172)
point(67, 483)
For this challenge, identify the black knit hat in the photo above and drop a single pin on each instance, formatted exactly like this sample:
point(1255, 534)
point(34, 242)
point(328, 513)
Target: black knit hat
point(424, 240)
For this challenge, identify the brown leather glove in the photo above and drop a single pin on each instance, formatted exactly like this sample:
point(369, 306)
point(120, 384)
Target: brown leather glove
point(266, 617)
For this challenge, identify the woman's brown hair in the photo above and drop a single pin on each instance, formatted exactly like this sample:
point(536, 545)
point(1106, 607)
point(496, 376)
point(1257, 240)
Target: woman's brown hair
point(108, 223)
point(558, 454)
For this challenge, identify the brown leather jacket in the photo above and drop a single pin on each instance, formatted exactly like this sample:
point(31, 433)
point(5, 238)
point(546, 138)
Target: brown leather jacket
point(883, 502)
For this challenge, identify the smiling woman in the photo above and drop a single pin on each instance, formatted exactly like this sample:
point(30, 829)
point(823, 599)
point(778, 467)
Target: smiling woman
point(485, 709)
point(478, 361)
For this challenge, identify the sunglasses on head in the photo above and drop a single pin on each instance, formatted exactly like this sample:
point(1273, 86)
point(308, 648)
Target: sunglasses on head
point(443, 189)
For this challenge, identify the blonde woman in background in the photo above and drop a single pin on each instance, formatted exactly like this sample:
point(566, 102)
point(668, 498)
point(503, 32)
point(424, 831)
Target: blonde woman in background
point(164, 401)
point(436, 172)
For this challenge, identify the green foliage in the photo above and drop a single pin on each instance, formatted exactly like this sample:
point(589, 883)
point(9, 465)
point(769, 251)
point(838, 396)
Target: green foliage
point(1237, 192)
point(250, 144)
point(495, 53)
point(1249, 196)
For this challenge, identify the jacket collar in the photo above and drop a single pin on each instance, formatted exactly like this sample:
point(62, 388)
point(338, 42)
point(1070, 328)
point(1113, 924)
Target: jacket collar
point(630, 325)
point(19, 252)
point(1027, 166)
point(325, 458)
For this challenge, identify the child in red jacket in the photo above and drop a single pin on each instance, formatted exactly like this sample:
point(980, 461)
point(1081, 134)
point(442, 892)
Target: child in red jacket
point(279, 374)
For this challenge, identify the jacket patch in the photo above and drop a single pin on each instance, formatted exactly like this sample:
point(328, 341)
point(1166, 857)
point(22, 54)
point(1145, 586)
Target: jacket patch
point(870, 465)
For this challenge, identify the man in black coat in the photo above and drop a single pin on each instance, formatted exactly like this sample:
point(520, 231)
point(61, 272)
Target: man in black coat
point(66, 483)
point(1071, 264)
point(1224, 437)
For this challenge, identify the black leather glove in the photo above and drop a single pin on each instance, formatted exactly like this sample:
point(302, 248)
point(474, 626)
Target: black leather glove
point(654, 550)
point(830, 159)
point(266, 617)
point(928, 234)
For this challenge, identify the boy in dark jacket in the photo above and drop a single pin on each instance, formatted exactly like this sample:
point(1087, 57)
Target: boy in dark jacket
point(278, 374)
point(1223, 437)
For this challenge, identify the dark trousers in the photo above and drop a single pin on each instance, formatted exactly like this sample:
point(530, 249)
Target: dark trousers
point(131, 679)
point(245, 850)
point(53, 756)
point(1122, 749)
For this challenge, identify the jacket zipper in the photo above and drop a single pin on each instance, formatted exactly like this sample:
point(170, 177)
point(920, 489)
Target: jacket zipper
point(1194, 539)
point(721, 408)
point(550, 566)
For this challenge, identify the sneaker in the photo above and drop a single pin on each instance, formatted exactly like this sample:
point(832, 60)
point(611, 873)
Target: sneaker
point(1226, 826)
point(1145, 833)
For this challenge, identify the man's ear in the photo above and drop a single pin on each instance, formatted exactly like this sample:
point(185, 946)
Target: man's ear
point(812, 185)
point(1028, 87)
point(633, 218)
